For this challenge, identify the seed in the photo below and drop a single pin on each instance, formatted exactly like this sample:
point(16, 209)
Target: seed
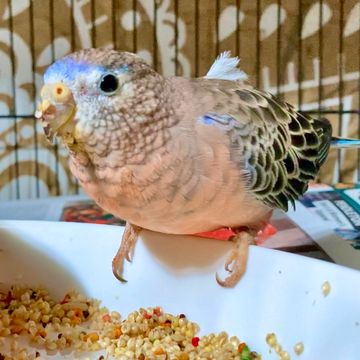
point(159, 351)
point(23, 355)
point(326, 288)
point(147, 316)
point(106, 318)
point(115, 315)
point(278, 348)
point(45, 319)
point(299, 348)
point(157, 311)
point(118, 332)
point(51, 345)
point(284, 355)
point(183, 356)
point(195, 341)
point(271, 339)
point(80, 324)
point(93, 337)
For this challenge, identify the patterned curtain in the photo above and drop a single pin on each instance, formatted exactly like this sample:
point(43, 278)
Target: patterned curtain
point(305, 51)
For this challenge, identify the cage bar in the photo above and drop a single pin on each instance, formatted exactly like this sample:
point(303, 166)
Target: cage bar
point(33, 69)
point(238, 28)
point(134, 7)
point(300, 56)
point(278, 49)
point(320, 39)
point(13, 105)
point(155, 42)
point(257, 65)
point(176, 59)
point(196, 42)
point(341, 83)
point(217, 15)
point(52, 38)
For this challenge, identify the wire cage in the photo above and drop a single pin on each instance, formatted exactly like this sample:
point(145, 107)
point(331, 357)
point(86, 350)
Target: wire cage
point(304, 51)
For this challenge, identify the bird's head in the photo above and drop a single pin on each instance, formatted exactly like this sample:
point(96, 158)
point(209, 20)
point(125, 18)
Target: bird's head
point(88, 94)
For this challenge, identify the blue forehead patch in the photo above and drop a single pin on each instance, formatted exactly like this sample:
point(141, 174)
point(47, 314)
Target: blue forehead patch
point(68, 69)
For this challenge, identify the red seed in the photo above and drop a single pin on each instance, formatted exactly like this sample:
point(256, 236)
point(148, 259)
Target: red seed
point(157, 311)
point(166, 323)
point(195, 341)
point(106, 318)
point(147, 316)
point(6, 298)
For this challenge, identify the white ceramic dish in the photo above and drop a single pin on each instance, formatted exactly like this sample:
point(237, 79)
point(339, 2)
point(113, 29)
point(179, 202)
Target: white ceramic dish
point(279, 293)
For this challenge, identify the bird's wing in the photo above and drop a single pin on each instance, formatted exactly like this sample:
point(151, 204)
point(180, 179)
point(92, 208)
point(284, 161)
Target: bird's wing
point(281, 149)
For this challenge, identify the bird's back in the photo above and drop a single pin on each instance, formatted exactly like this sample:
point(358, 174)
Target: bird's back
point(276, 148)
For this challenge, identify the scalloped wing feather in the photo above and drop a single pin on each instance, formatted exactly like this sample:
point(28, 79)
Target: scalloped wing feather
point(280, 148)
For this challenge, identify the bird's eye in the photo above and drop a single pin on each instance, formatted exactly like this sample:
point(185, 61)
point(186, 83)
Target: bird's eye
point(109, 83)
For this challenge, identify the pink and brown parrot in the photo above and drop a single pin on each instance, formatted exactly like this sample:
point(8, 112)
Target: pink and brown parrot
point(180, 155)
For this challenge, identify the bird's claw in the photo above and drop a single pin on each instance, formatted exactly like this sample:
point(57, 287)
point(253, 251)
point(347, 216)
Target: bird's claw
point(125, 251)
point(229, 264)
point(119, 277)
point(117, 266)
point(128, 258)
point(117, 270)
point(235, 264)
point(230, 281)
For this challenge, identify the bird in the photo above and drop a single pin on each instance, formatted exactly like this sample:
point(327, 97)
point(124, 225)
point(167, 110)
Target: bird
point(180, 155)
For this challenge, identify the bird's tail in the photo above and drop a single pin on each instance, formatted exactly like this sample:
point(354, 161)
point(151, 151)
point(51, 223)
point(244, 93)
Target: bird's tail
point(335, 141)
point(342, 143)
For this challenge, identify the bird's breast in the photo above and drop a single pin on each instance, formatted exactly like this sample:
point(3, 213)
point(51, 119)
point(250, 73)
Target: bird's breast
point(184, 191)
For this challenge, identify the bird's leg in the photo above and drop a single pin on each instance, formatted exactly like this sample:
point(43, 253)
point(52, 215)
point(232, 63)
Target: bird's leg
point(125, 251)
point(236, 262)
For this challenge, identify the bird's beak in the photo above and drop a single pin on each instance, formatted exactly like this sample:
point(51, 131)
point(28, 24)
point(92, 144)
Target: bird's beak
point(56, 110)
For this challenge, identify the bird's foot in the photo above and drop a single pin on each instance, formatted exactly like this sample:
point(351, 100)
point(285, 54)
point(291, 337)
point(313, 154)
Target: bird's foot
point(125, 251)
point(236, 263)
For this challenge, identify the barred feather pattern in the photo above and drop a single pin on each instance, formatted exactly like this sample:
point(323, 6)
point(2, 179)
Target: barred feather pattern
point(281, 149)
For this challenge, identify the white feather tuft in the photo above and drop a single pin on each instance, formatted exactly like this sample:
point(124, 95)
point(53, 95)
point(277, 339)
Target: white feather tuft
point(225, 67)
